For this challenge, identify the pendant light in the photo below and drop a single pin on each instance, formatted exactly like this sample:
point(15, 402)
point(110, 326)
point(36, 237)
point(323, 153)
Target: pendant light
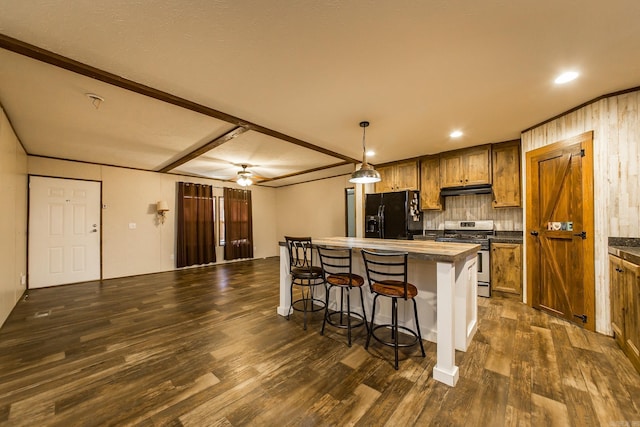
point(366, 174)
point(244, 177)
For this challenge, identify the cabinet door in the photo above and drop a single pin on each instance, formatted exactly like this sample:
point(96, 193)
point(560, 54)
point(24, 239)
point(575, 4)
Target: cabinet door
point(406, 176)
point(477, 165)
point(387, 181)
point(632, 312)
point(506, 267)
point(506, 175)
point(430, 184)
point(451, 170)
point(617, 297)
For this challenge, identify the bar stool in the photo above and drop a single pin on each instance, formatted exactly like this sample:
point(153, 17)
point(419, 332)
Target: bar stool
point(305, 275)
point(387, 277)
point(337, 272)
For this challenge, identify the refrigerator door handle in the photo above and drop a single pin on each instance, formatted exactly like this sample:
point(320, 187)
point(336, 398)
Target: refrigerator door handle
point(381, 215)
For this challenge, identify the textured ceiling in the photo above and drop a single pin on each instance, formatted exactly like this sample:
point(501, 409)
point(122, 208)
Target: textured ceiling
point(310, 70)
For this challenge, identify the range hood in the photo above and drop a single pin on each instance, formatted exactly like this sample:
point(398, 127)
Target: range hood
point(470, 189)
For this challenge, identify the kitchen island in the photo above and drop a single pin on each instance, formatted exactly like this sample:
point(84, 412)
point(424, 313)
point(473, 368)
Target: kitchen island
point(445, 274)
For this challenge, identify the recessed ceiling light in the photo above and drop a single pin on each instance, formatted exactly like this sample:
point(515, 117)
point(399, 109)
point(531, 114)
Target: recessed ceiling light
point(371, 153)
point(456, 134)
point(566, 77)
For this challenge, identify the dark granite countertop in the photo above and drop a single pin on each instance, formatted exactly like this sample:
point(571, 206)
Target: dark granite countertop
point(507, 237)
point(499, 237)
point(627, 248)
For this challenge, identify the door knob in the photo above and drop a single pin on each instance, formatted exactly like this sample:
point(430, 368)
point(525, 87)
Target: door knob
point(534, 233)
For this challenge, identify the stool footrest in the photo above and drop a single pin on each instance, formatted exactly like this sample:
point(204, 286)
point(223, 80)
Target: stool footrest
point(316, 304)
point(412, 334)
point(343, 323)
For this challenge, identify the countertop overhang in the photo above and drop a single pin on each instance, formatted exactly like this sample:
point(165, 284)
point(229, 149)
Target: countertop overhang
point(419, 249)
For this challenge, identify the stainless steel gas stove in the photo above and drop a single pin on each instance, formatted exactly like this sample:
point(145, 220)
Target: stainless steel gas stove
point(477, 232)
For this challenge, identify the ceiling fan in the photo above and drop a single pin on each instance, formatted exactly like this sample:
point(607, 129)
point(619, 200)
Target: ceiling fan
point(244, 177)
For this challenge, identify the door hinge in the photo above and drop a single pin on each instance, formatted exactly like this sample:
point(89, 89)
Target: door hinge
point(582, 234)
point(581, 316)
point(582, 152)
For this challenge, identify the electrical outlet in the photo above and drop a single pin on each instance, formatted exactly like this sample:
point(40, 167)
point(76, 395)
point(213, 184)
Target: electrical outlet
point(23, 279)
point(132, 226)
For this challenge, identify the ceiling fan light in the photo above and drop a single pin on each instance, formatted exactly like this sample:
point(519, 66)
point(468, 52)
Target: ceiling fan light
point(244, 181)
point(244, 177)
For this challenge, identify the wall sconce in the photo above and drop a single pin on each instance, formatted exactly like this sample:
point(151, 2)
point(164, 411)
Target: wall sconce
point(162, 208)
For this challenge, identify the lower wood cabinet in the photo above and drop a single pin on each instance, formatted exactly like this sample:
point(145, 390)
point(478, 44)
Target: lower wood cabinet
point(624, 293)
point(506, 268)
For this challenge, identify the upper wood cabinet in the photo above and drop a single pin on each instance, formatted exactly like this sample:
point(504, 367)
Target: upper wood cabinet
point(624, 278)
point(506, 174)
point(430, 184)
point(506, 267)
point(471, 166)
point(398, 177)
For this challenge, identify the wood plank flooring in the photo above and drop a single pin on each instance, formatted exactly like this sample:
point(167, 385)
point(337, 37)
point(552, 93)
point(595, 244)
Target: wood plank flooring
point(205, 347)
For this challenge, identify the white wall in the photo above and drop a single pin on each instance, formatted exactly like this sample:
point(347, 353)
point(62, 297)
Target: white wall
point(615, 122)
point(13, 217)
point(129, 196)
point(315, 208)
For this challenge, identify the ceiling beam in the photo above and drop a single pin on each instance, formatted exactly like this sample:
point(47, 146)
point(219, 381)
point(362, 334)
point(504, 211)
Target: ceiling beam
point(290, 175)
point(46, 56)
point(239, 130)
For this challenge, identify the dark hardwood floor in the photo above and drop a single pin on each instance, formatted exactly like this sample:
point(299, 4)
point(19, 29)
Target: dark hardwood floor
point(205, 347)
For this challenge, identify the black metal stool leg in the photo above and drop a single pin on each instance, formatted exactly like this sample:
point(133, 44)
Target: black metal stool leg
point(395, 328)
point(373, 314)
point(348, 316)
point(326, 308)
point(415, 311)
point(364, 313)
point(304, 309)
point(290, 300)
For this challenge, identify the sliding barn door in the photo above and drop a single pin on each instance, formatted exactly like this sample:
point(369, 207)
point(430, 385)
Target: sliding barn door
point(560, 260)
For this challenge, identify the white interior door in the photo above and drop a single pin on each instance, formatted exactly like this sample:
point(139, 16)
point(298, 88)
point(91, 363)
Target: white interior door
point(64, 231)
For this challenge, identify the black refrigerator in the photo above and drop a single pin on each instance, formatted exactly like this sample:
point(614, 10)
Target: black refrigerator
point(394, 215)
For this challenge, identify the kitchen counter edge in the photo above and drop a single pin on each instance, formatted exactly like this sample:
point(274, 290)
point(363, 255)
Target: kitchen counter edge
point(417, 249)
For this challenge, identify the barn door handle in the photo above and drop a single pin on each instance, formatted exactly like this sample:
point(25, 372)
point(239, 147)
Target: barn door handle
point(534, 233)
point(582, 234)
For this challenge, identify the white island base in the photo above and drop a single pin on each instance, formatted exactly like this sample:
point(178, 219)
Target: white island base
point(446, 277)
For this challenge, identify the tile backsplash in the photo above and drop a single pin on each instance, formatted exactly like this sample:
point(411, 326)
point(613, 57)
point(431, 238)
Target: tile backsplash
point(473, 207)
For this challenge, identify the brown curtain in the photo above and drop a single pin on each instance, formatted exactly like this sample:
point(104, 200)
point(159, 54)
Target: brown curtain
point(238, 224)
point(196, 240)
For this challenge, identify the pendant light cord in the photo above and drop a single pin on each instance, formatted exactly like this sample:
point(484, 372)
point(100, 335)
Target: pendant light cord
point(364, 147)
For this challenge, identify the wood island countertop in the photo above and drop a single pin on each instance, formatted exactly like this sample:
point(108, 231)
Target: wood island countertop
point(421, 249)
